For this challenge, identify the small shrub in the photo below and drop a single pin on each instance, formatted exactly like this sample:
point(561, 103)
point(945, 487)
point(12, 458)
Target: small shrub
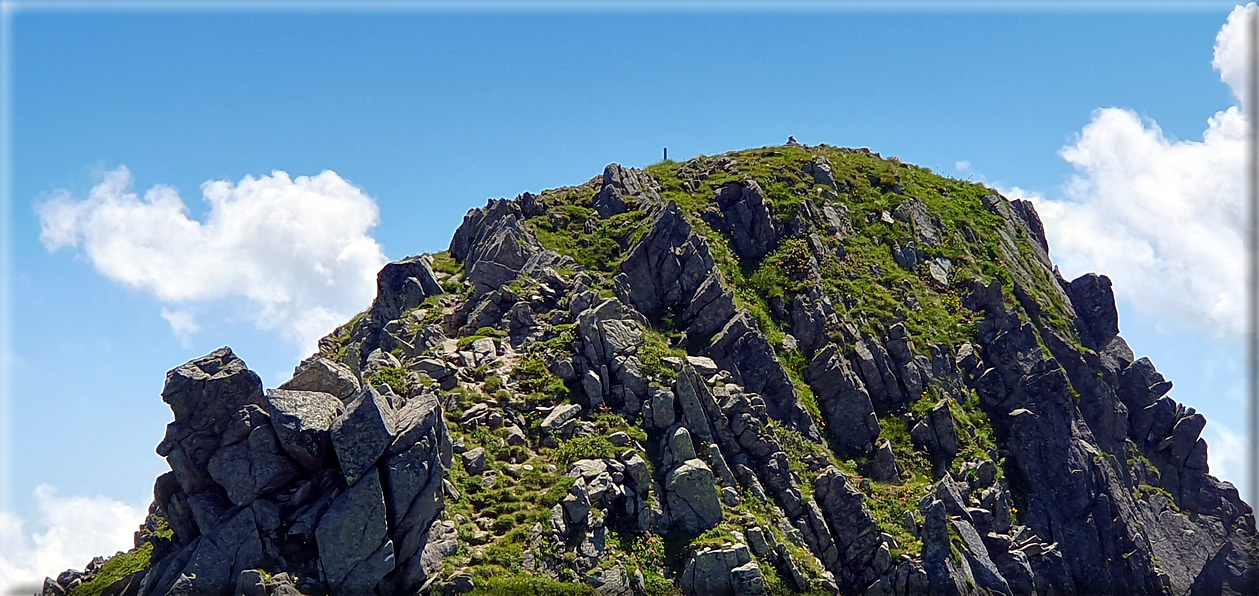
point(592, 447)
point(533, 376)
point(393, 376)
point(493, 383)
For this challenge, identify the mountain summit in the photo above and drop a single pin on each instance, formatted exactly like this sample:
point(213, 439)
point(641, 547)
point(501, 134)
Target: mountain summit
point(782, 370)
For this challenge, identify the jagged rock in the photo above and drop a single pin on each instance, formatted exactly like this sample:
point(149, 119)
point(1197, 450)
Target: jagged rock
point(559, 416)
point(351, 531)
point(882, 466)
point(1109, 471)
point(743, 350)
point(204, 395)
point(745, 216)
point(938, 432)
point(982, 568)
point(692, 496)
point(496, 248)
point(672, 267)
point(620, 183)
point(214, 561)
point(729, 572)
point(576, 508)
point(1094, 302)
point(811, 316)
point(361, 434)
point(857, 535)
point(326, 376)
point(1232, 569)
point(402, 285)
point(250, 462)
point(846, 407)
point(303, 422)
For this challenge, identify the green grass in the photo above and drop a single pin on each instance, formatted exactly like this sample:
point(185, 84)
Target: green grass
point(651, 354)
point(592, 447)
point(533, 377)
point(395, 377)
point(527, 584)
point(116, 568)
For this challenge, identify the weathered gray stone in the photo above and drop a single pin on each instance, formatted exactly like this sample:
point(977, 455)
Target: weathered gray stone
point(662, 412)
point(883, 467)
point(712, 572)
point(474, 461)
point(692, 496)
point(219, 556)
point(254, 465)
point(741, 348)
point(402, 285)
point(845, 404)
point(559, 416)
point(361, 434)
point(204, 394)
point(702, 365)
point(856, 533)
point(303, 422)
point(1094, 303)
point(745, 215)
point(326, 376)
point(352, 529)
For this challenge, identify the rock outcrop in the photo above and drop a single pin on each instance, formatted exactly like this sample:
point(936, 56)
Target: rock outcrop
point(792, 369)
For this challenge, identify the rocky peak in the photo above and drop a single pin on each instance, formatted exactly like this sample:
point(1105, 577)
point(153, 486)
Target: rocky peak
point(787, 369)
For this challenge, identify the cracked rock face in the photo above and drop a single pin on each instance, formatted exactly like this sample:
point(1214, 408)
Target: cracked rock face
point(790, 369)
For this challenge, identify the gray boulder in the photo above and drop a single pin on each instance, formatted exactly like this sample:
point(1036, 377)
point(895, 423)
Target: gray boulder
point(215, 560)
point(845, 404)
point(352, 530)
point(856, 533)
point(403, 285)
point(361, 434)
point(559, 416)
point(722, 572)
point(672, 268)
point(621, 186)
point(324, 375)
point(1094, 303)
point(745, 215)
point(743, 350)
point(691, 492)
point(883, 467)
point(204, 394)
point(253, 463)
point(303, 422)
point(473, 460)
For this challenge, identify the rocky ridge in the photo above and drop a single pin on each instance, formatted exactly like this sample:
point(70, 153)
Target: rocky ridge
point(786, 370)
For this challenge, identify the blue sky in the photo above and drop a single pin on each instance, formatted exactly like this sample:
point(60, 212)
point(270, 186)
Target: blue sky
point(430, 114)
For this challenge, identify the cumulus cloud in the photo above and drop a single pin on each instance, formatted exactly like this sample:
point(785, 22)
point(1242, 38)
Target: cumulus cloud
point(72, 530)
point(299, 250)
point(182, 322)
point(1164, 218)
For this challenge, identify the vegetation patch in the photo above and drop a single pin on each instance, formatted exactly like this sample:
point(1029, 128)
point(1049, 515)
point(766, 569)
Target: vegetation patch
point(394, 377)
point(116, 568)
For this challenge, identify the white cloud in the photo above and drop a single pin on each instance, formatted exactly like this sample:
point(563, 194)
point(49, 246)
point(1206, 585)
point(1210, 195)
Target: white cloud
point(182, 322)
point(72, 530)
point(1164, 218)
point(298, 249)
